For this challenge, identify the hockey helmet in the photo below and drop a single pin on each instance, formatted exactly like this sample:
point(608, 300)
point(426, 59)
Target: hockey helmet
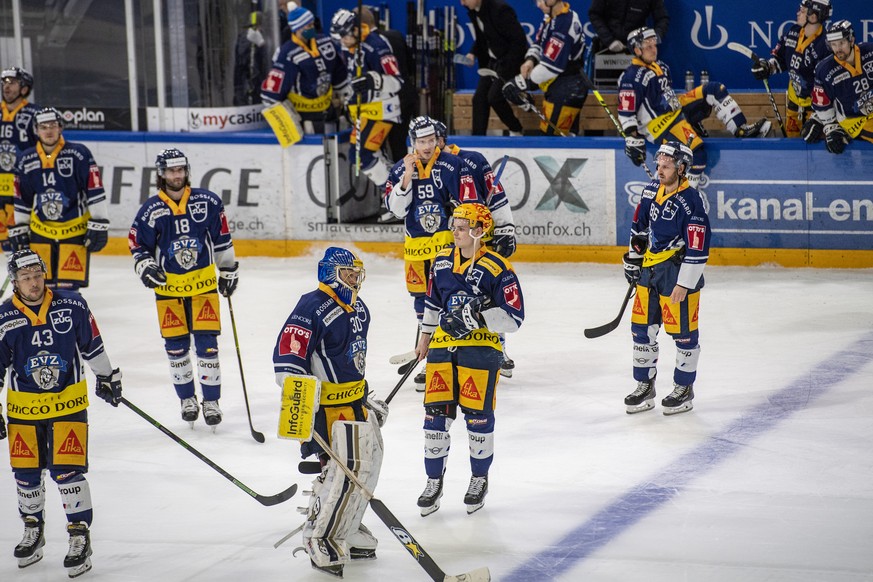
point(421, 126)
point(476, 214)
point(171, 158)
point(440, 129)
point(678, 152)
point(334, 270)
point(48, 115)
point(24, 78)
point(343, 23)
point(24, 259)
point(841, 30)
point(821, 8)
point(636, 37)
point(299, 18)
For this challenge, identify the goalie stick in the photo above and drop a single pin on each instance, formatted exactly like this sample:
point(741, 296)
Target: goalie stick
point(604, 329)
point(746, 51)
point(400, 532)
point(262, 499)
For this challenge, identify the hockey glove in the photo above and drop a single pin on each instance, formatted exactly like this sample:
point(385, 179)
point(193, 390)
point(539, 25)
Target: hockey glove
point(228, 278)
point(639, 243)
point(632, 267)
point(761, 69)
point(151, 274)
point(461, 321)
point(19, 237)
point(516, 93)
point(109, 387)
point(2, 424)
point(836, 139)
point(97, 234)
point(379, 408)
point(504, 240)
point(635, 149)
point(812, 131)
point(372, 81)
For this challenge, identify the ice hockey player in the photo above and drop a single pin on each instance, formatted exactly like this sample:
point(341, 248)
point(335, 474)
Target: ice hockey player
point(17, 133)
point(473, 296)
point(177, 240)
point(843, 94)
point(323, 346)
point(307, 71)
point(423, 188)
point(502, 238)
point(375, 78)
point(649, 109)
point(553, 63)
point(45, 338)
point(61, 210)
point(669, 248)
point(798, 52)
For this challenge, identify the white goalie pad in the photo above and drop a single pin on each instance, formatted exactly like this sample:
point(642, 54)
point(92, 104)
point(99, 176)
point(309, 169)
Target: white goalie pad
point(300, 399)
point(337, 506)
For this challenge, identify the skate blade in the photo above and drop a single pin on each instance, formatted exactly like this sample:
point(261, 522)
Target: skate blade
point(506, 373)
point(358, 554)
point(425, 511)
point(642, 407)
point(30, 560)
point(191, 424)
point(475, 507)
point(335, 571)
point(77, 571)
point(419, 387)
point(684, 407)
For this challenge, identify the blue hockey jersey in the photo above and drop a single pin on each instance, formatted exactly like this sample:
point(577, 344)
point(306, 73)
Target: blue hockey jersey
point(17, 134)
point(382, 104)
point(843, 92)
point(799, 55)
point(645, 94)
point(558, 46)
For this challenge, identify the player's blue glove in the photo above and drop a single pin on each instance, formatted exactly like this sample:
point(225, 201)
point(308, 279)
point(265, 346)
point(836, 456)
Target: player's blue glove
point(109, 387)
point(632, 267)
point(228, 279)
point(836, 138)
point(372, 81)
point(151, 274)
point(97, 234)
point(464, 319)
point(504, 240)
point(19, 237)
point(635, 149)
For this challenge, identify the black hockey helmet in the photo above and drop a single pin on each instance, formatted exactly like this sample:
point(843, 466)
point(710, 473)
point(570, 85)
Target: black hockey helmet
point(841, 30)
point(24, 77)
point(821, 8)
point(48, 115)
point(440, 129)
point(171, 158)
point(636, 37)
point(343, 23)
point(678, 152)
point(24, 259)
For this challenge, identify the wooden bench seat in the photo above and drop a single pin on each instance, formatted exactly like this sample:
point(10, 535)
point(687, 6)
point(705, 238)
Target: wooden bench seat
point(594, 120)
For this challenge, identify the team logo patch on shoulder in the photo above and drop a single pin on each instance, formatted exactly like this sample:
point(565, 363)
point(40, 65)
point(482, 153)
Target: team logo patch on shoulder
point(627, 100)
point(512, 296)
point(294, 341)
point(61, 320)
point(198, 211)
point(273, 82)
point(65, 167)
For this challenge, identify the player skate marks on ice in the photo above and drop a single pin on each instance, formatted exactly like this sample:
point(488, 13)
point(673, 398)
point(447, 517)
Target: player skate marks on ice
point(652, 493)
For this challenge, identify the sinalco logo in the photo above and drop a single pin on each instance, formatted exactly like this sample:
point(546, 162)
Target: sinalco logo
point(709, 40)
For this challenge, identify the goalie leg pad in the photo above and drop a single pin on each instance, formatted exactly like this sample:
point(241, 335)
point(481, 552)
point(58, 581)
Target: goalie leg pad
point(336, 505)
point(480, 432)
point(437, 442)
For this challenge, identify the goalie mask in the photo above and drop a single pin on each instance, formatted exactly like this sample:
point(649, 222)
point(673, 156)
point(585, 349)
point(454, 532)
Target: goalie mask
point(477, 215)
point(171, 158)
point(343, 272)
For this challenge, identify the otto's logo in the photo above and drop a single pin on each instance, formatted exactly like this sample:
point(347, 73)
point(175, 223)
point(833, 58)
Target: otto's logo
point(294, 341)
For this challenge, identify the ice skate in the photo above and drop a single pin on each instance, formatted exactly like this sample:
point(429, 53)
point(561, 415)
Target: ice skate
point(335, 571)
point(420, 380)
point(190, 410)
point(211, 413)
point(679, 399)
point(78, 560)
point(641, 399)
point(362, 544)
point(760, 128)
point(507, 366)
point(29, 549)
point(475, 497)
point(429, 501)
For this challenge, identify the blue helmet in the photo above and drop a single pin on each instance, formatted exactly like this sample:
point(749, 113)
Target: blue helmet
point(23, 77)
point(171, 158)
point(841, 30)
point(335, 269)
point(679, 152)
point(636, 37)
point(23, 259)
point(343, 23)
point(822, 8)
point(421, 126)
point(440, 128)
point(48, 115)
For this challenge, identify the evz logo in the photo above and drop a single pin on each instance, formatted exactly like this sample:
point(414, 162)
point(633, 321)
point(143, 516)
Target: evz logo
point(185, 250)
point(45, 368)
point(61, 320)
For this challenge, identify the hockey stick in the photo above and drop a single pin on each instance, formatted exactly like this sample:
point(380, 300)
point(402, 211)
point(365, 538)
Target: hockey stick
point(484, 72)
point(262, 499)
point(258, 436)
point(400, 532)
point(406, 375)
point(604, 329)
point(5, 285)
point(402, 359)
point(749, 53)
point(359, 57)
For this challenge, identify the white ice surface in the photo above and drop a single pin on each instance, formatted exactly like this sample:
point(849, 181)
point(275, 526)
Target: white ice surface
point(649, 497)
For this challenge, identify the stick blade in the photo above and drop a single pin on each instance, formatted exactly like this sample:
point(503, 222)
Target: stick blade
point(400, 359)
point(742, 49)
point(602, 330)
point(477, 575)
point(258, 436)
point(278, 498)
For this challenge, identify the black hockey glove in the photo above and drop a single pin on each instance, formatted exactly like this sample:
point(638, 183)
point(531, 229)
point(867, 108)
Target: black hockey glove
point(151, 274)
point(836, 138)
point(372, 81)
point(504, 240)
point(109, 387)
point(19, 237)
point(632, 267)
point(379, 408)
point(516, 93)
point(97, 234)
point(2, 424)
point(812, 131)
point(761, 69)
point(635, 149)
point(466, 318)
point(228, 278)
point(639, 243)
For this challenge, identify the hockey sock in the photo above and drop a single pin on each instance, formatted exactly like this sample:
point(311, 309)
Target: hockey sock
point(76, 496)
point(480, 431)
point(209, 371)
point(31, 498)
point(182, 373)
point(437, 442)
